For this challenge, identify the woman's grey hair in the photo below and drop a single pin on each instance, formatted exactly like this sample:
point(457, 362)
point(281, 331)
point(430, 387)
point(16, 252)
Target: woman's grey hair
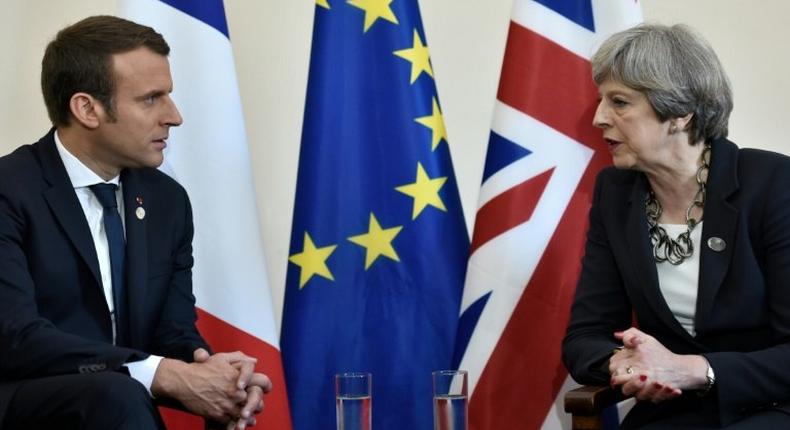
point(676, 69)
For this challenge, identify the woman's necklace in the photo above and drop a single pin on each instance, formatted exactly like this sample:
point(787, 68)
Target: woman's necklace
point(664, 247)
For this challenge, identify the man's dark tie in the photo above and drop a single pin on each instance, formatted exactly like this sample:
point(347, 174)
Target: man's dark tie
point(114, 229)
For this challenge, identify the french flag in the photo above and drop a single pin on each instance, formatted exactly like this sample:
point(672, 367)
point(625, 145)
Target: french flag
point(209, 156)
point(543, 156)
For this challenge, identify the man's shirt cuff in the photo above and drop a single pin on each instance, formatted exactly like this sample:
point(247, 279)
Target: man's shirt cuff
point(144, 371)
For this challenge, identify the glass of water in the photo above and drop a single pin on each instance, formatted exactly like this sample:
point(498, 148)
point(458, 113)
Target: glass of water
point(449, 400)
point(353, 400)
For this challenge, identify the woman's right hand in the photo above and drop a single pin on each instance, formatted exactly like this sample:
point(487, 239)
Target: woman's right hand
point(647, 370)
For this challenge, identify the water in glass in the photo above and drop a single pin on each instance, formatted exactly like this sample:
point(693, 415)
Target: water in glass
point(449, 412)
point(353, 413)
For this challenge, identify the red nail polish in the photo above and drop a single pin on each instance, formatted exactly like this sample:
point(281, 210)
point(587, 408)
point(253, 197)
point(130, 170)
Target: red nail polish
point(657, 385)
point(643, 378)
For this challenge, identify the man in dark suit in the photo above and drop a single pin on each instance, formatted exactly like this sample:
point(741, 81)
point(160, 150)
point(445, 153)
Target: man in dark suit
point(97, 315)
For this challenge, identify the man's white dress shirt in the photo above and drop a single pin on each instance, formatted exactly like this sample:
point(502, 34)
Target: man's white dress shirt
point(81, 178)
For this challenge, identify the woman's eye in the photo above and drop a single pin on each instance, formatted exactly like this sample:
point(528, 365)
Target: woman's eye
point(619, 102)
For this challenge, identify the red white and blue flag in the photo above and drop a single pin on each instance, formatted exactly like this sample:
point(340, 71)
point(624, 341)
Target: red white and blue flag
point(542, 159)
point(209, 156)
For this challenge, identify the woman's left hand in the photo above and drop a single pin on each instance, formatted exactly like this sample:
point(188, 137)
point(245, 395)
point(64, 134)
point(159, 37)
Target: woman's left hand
point(647, 370)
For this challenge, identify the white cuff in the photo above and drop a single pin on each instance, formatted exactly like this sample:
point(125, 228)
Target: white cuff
point(144, 371)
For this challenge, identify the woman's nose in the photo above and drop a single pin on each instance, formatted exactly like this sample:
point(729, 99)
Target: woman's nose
point(601, 119)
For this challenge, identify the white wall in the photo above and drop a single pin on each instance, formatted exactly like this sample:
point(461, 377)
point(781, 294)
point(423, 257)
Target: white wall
point(271, 40)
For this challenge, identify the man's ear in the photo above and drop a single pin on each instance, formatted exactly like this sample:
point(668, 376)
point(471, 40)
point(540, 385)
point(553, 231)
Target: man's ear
point(86, 110)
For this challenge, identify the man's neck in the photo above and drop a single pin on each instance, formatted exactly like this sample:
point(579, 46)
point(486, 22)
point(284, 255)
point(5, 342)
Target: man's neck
point(78, 143)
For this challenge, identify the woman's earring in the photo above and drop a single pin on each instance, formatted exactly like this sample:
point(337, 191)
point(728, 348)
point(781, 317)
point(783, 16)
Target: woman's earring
point(673, 128)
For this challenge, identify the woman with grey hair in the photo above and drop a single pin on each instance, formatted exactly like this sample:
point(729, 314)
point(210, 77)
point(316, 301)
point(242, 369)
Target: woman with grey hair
point(686, 275)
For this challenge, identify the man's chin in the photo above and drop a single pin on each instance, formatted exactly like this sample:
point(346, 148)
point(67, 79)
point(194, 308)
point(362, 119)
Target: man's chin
point(152, 162)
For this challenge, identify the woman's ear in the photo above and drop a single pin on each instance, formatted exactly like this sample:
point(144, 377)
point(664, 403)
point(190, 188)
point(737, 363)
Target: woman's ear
point(86, 110)
point(683, 122)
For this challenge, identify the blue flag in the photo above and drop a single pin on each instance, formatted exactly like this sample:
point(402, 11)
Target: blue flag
point(379, 245)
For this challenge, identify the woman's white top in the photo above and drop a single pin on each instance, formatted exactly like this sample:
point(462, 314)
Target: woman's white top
point(679, 283)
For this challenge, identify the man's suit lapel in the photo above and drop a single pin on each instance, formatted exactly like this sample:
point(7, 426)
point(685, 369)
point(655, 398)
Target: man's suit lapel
point(134, 198)
point(720, 219)
point(64, 203)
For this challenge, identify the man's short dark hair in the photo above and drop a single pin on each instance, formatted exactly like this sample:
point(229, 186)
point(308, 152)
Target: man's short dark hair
point(79, 59)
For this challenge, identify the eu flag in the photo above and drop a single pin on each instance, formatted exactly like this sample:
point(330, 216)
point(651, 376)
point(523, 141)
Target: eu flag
point(378, 245)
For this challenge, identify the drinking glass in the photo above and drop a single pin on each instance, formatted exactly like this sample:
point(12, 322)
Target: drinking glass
point(449, 400)
point(353, 400)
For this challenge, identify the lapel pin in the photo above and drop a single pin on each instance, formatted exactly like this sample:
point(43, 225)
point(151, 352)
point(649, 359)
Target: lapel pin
point(140, 211)
point(717, 244)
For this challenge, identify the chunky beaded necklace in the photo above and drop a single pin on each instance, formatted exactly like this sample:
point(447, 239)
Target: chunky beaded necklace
point(676, 250)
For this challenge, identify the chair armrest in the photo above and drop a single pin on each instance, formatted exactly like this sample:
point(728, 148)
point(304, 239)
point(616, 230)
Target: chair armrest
point(591, 399)
point(586, 403)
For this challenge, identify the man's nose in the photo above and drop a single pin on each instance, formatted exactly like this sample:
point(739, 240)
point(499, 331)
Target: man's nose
point(173, 117)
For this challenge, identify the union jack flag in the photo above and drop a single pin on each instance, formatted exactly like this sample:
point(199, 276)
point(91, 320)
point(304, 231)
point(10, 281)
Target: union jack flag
point(543, 156)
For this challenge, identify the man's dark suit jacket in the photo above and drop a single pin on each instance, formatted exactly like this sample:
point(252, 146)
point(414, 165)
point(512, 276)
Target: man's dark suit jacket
point(53, 315)
point(743, 307)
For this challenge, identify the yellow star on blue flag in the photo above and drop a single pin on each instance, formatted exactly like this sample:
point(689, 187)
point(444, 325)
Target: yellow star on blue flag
point(312, 261)
point(374, 10)
point(418, 56)
point(377, 241)
point(434, 121)
point(425, 191)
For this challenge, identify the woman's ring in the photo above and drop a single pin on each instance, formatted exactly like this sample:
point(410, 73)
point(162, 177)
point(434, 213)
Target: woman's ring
point(629, 370)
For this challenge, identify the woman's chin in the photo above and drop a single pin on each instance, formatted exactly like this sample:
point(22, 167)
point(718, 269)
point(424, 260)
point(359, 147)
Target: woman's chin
point(623, 162)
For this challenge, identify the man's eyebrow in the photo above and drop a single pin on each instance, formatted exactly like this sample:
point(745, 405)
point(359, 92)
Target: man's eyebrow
point(152, 93)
